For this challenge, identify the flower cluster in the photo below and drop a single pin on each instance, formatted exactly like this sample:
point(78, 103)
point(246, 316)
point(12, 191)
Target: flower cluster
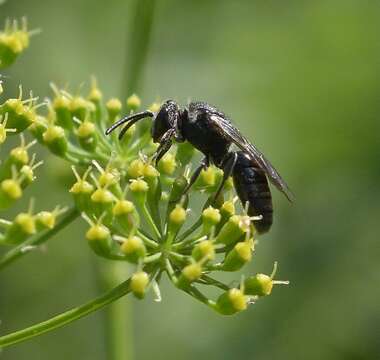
point(136, 211)
point(14, 39)
point(17, 172)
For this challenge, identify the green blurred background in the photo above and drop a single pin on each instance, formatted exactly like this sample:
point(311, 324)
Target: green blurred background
point(302, 80)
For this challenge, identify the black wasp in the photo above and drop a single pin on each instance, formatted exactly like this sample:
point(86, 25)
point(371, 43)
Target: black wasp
point(211, 132)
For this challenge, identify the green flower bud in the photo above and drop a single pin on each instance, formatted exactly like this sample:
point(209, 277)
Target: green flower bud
point(102, 202)
point(113, 107)
point(22, 227)
point(189, 274)
point(238, 256)
point(109, 178)
point(139, 189)
point(10, 191)
point(38, 128)
point(185, 152)
point(176, 193)
point(206, 179)
point(231, 302)
point(55, 139)
point(210, 218)
point(133, 248)
point(150, 172)
point(12, 42)
point(154, 107)
point(176, 219)
point(82, 191)
point(167, 164)
point(133, 103)
point(258, 285)
point(227, 209)
point(126, 216)
point(10, 48)
point(233, 230)
point(19, 117)
point(87, 135)
point(99, 239)
point(229, 184)
point(79, 107)
point(45, 219)
point(95, 95)
point(205, 250)
point(261, 284)
point(136, 169)
point(18, 157)
point(48, 219)
point(139, 284)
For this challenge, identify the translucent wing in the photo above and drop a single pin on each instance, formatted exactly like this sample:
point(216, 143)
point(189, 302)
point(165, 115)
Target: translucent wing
point(230, 132)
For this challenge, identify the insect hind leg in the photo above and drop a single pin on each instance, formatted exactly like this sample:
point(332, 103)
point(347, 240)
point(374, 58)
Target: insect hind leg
point(228, 166)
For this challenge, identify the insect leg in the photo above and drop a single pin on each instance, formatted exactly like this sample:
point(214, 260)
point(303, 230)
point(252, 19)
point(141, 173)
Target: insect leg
point(203, 165)
point(165, 144)
point(227, 167)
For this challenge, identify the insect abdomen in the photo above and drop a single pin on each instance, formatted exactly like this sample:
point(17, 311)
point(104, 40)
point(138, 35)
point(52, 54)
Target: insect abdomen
point(252, 186)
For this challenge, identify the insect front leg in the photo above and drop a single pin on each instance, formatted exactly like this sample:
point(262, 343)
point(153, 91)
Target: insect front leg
point(165, 144)
point(228, 167)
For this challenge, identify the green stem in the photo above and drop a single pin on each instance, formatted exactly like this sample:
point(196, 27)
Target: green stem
point(118, 314)
point(138, 44)
point(147, 240)
point(150, 220)
point(66, 219)
point(66, 317)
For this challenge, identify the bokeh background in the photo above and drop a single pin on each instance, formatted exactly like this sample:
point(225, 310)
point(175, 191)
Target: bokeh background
point(302, 80)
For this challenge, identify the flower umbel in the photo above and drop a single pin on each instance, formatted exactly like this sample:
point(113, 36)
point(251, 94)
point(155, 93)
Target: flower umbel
point(135, 209)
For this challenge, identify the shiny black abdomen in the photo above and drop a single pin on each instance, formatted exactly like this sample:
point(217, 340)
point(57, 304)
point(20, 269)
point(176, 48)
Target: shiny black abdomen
point(198, 129)
point(252, 186)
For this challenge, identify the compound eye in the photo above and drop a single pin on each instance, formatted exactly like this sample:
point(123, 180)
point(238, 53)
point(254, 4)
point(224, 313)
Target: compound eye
point(164, 120)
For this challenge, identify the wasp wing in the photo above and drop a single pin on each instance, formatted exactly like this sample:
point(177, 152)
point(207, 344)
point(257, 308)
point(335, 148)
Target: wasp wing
point(233, 134)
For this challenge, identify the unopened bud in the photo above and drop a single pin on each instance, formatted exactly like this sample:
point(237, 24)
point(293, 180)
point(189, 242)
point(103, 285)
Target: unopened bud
point(113, 107)
point(136, 169)
point(86, 133)
point(10, 191)
point(82, 191)
point(22, 227)
point(167, 164)
point(205, 250)
point(190, 273)
point(139, 284)
point(61, 106)
point(207, 178)
point(233, 229)
point(210, 218)
point(139, 189)
point(99, 239)
point(55, 139)
point(133, 248)
point(176, 219)
point(79, 107)
point(102, 200)
point(133, 103)
point(238, 256)
point(126, 216)
point(231, 302)
point(258, 285)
